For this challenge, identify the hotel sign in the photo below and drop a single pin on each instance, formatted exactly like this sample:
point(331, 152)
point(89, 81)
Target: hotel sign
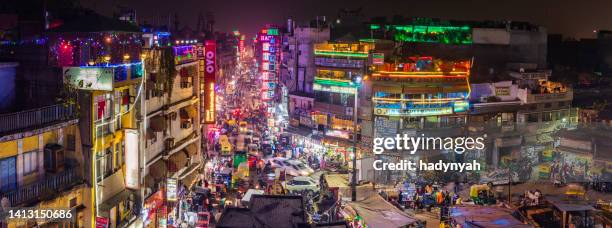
point(210, 70)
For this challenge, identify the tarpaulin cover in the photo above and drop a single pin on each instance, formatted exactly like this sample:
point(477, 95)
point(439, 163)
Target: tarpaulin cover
point(377, 212)
point(486, 216)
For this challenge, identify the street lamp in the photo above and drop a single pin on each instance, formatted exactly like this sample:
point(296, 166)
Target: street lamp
point(357, 83)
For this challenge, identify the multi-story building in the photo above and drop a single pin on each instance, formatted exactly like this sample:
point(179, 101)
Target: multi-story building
point(298, 69)
point(267, 53)
point(173, 139)
point(105, 66)
point(490, 44)
point(340, 67)
point(417, 96)
point(42, 164)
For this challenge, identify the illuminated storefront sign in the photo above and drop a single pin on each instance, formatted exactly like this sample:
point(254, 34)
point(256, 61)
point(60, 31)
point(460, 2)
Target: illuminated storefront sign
point(131, 155)
point(335, 89)
point(171, 189)
point(210, 54)
point(210, 70)
point(502, 91)
point(413, 112)
point(420, 109)
point(338, 134)
point(209, 99)
point(90, 78)
point(378, 58)
point(270, 46)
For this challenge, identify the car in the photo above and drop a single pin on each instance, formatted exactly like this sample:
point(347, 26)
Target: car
point(276, 162)
point(299, 184)
point(296, 168)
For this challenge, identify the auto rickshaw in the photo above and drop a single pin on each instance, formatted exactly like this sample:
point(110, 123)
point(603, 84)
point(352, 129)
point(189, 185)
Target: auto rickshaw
point(481, 194)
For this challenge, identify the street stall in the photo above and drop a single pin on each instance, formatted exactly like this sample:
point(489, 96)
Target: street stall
point(573, 212)
point(374, 211)
point(339, 186)
point(484, 216)
point(247, 197)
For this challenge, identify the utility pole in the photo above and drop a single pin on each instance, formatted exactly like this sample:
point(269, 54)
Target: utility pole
point(357, 82)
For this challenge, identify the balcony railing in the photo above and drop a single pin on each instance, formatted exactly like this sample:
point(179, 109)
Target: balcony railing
point(45, 188)
point(36, 118)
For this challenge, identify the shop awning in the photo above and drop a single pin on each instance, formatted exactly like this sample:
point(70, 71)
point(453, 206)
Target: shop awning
point(191, 111)
point(377, 212)
point(115, 200)
point(158, 169)
point(158, 123)
point(190, 175)
point(192, 151)
point(178, 160)
point(150, 133)
point(184, 114)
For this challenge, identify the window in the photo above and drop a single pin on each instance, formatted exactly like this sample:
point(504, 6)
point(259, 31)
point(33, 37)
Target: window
point(561, 104)
point(547, 116)
point(118, 155)
point(103, 106)
point(532, 118)
point(30, 162)
point(108, 162)
point(8, 174)
point(547, 105)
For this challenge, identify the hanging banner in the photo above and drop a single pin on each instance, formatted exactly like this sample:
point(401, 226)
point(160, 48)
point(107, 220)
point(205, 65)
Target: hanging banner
point(132, 177)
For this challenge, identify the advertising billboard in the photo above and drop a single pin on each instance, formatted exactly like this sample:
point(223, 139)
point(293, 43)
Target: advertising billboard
point(210, 70)
point(89, 78)
point(132, 176)
point(171, 189)
point(210, 57)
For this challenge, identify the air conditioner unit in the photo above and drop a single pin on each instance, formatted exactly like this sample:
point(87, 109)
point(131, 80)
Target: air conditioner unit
point(186, 124)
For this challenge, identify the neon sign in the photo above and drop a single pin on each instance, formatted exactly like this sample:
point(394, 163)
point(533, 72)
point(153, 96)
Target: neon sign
point(209, 112)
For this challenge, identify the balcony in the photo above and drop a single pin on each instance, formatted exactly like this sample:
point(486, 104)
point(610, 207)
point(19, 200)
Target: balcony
point(530, 98)
point(47, 187)
point(36, 118)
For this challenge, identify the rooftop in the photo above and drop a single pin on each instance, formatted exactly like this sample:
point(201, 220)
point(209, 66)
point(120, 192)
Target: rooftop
point(89, 21)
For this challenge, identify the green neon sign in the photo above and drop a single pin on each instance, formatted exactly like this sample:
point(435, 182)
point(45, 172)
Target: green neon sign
point(342, 54)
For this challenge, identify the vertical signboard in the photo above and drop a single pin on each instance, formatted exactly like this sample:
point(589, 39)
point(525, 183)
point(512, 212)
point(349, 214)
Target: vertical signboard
point(132, 176)
point(171, 189)
point(102, 222)
point(210, 70)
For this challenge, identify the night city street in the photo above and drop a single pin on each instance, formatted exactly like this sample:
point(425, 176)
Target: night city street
point(305, 114)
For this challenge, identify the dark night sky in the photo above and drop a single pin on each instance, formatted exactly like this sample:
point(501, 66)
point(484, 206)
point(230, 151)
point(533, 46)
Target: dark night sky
point(577, 18)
